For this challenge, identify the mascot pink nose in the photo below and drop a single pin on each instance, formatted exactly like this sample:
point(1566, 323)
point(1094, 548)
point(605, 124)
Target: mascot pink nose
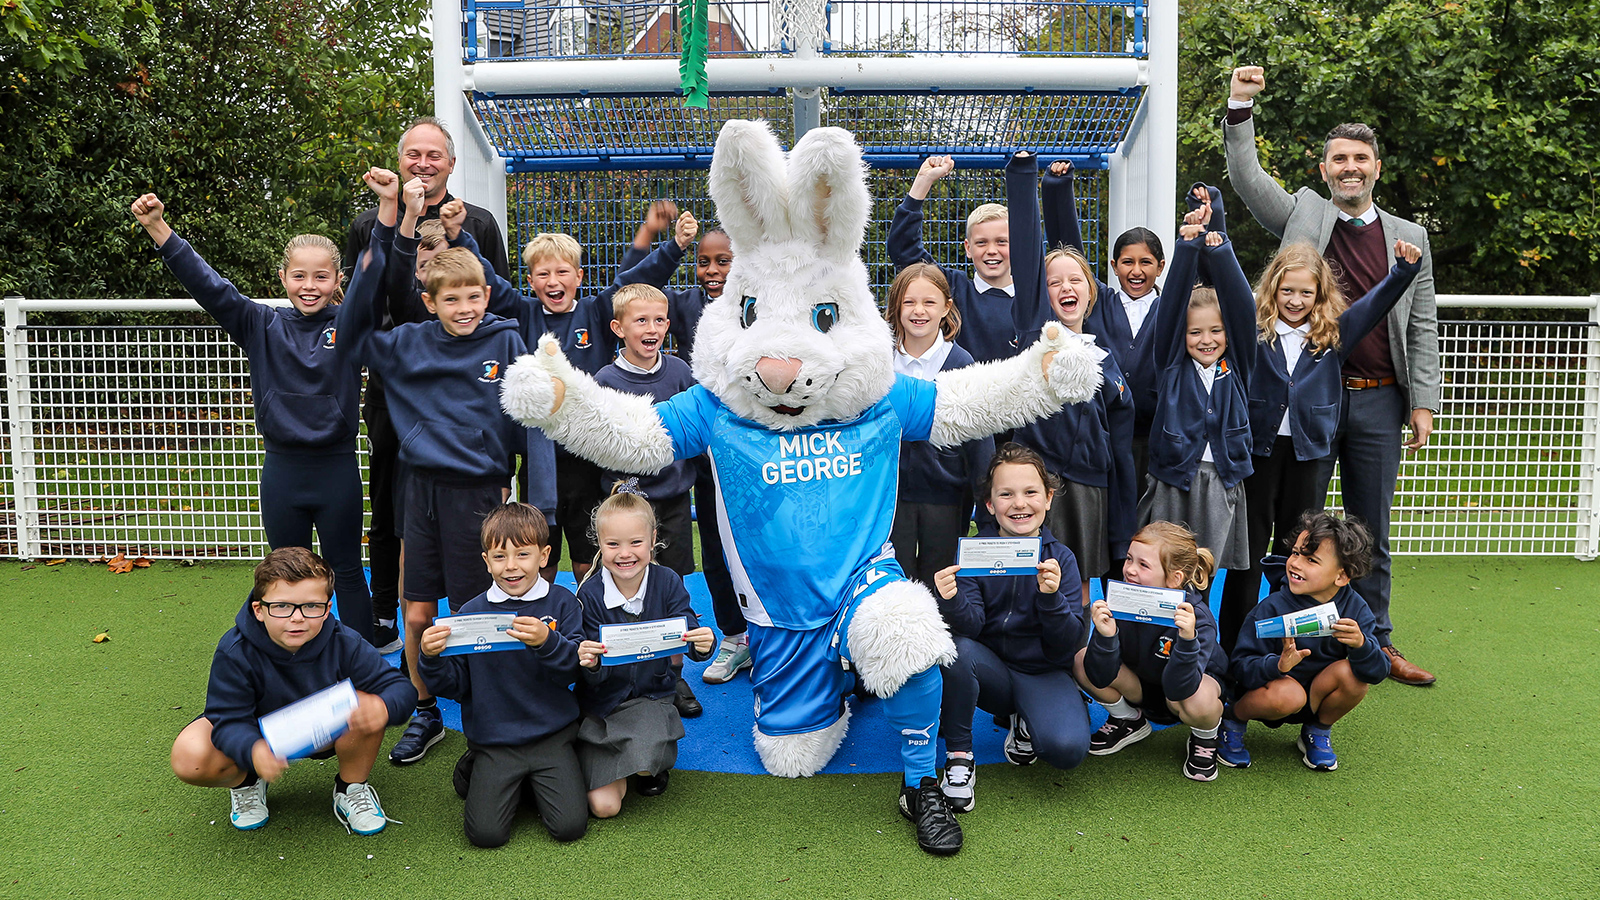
point(778, 374)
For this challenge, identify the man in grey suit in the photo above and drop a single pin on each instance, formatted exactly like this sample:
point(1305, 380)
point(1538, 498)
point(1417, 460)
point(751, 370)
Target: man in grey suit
point(1392, 378)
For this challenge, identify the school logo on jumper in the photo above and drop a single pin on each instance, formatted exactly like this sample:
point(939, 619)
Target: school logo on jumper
point(1222, 367)
point(917, 737)
point(1164, 649)
point(580, 337)
point(329, 335)
point(491, 371)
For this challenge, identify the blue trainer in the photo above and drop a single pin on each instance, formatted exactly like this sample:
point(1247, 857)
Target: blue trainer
point(1316, 750)
point(1232, 752)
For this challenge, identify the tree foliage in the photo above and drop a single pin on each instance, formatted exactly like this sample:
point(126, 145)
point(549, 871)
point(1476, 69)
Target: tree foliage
point(1488, 114)
point(251, 119)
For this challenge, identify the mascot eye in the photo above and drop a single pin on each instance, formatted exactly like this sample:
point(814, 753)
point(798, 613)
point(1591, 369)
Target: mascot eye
point(747, 312)
point(824, 316)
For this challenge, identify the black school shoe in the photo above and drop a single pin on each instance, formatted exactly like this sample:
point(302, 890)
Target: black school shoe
point(938, 832)
point(651, 785)
point(684, 700)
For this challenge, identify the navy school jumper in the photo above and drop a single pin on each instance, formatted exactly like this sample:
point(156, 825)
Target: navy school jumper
point(304, 379)
point(948, 476)
point(514, 697)
point(672, 378)
point(252, 676)
point(1091, 443)
point(1313, 395)
point(1255, 660)
point(601, 689)
point(993, 325)
point(1186, 417)
point(1158, 655)
point(443, 390)
point(685, 306)
point(1030, 631)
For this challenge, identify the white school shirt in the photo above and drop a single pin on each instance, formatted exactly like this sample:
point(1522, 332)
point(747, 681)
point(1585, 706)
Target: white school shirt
point(1137, 310)
point(624, 365)
point(982, 286)
point(634, 605)
point(928, 364)
point(1208, 377)
point(1293, 341)
point(539, 589)
point(1367, 217)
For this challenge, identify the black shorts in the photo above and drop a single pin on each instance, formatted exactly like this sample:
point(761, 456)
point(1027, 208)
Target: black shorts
point(444, 551)
point(578, 492)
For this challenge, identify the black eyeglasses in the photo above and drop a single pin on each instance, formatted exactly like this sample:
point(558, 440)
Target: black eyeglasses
point(285, 610)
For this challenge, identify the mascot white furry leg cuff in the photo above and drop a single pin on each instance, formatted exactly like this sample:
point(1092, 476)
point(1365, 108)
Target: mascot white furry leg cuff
point(800, 755)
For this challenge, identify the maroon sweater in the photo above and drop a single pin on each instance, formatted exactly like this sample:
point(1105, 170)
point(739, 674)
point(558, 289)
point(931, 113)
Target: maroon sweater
point(1361, 260)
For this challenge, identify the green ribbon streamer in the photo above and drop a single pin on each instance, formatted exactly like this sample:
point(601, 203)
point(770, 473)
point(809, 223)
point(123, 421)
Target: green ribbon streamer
point(695, 37)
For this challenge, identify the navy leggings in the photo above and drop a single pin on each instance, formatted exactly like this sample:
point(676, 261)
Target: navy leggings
point(1049, 702)
point(298, 492)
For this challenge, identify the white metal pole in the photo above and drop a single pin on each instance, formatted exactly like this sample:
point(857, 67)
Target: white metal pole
point(1159, 134)
point(19, 410)
point(1587, 544)
point(480, 173)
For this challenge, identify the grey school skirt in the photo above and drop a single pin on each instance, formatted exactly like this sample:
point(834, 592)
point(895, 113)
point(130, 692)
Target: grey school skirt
point(1214, 513)
point(640, 735)
point(1077, 518)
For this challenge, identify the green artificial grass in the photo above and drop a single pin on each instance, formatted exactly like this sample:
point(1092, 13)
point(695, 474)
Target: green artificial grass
point(1481, 786)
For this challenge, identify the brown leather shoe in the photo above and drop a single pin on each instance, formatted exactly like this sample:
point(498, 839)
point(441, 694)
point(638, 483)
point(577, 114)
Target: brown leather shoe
point(1407, 672)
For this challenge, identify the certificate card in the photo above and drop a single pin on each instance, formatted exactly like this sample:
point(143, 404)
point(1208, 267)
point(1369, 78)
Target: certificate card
point(1314, 622)
point(478, 633)
point(1137, 603)
point(310, 723)
point(998, 556)
point(633, 642)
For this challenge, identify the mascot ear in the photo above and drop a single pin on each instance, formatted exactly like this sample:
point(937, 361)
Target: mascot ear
point(749, 185)
point(828, 197)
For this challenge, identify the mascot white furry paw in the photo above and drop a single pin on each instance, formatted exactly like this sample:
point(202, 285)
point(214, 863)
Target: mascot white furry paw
point(802, 414)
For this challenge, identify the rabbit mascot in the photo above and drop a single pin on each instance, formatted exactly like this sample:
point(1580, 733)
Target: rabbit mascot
point(802, 414)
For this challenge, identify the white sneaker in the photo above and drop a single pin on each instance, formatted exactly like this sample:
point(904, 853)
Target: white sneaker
point(358, 810)
point(732, 655)
point(249, 806)
point(959, 777)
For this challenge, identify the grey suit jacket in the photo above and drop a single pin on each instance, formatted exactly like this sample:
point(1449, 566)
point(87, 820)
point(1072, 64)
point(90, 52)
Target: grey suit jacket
point(1307, 216)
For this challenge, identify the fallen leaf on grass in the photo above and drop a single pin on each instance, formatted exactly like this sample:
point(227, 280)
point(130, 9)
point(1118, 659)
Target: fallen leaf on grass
point(55, 562)
point(101, 638)
point(119, 564)
point(141, 563)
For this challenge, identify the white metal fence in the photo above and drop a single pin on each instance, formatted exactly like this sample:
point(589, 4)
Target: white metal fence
point(141, 439)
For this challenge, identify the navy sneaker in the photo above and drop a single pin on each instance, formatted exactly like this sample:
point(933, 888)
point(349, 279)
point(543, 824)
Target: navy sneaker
point(1231, 752)
point(1316, 750)
point(1200, 763)
point(425, 729)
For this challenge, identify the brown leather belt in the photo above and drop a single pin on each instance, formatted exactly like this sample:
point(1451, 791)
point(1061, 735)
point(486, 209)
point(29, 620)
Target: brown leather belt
point(1361, 384)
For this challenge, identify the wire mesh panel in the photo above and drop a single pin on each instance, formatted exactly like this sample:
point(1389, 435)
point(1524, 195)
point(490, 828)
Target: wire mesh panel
point(144, 442)
point(984, 27)
point(1500, 474)
point(578, 29)
point(601, 132)
point(603, 211)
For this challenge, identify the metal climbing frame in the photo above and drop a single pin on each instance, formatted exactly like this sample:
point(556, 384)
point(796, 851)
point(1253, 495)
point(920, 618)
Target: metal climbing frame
point(546, 88)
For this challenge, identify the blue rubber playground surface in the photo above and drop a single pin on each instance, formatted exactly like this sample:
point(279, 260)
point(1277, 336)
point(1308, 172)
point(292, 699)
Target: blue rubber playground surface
point(719, 740)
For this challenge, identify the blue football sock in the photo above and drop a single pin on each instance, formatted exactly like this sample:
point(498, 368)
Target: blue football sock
point(914, 712)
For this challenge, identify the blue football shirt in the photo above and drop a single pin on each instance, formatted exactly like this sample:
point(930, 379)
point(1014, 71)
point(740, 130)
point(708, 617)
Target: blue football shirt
point(801, 511)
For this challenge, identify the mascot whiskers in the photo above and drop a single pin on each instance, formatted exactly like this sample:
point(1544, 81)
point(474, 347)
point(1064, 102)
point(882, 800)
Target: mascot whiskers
point(802, 414)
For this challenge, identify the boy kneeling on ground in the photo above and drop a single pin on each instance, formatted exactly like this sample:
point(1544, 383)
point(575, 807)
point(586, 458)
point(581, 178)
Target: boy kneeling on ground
point(284, 647)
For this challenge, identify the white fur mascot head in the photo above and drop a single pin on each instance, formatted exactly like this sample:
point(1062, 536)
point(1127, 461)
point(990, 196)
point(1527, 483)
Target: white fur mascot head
point(796, 337)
